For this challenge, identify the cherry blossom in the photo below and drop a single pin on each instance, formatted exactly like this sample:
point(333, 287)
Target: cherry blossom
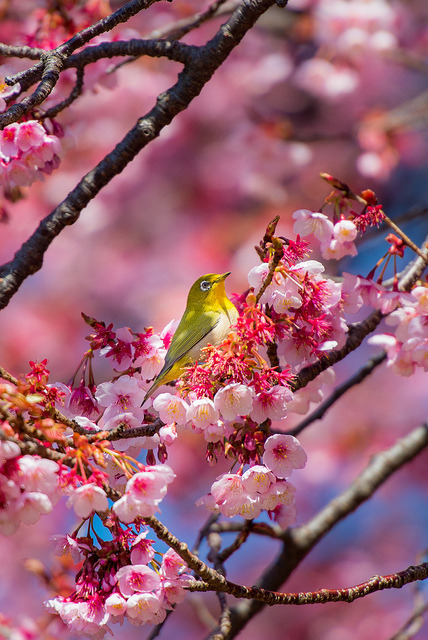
point(283, 453)
point(125, 394)
point(171, 408)
point(136, 578)
point(142, 551)
point(87, 499)
point(144, 492)
point(310, 222)
point(202, 413)
point(271, 404)
point(233, 400)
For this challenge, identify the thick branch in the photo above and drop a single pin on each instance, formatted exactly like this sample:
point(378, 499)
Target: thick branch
point(52, 62)
point(299, 542)
point(29, 258)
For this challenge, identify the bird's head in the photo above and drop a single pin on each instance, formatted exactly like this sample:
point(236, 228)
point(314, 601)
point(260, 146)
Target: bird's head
point(208, 291)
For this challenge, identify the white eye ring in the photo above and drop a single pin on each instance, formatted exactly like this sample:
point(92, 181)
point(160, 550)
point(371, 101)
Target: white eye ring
point(205, 285)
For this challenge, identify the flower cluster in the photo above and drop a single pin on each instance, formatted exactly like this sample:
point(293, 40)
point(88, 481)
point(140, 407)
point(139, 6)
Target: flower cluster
point(261, 487)
point(407, 348)
point(144, 491)
point(29, 487)
point(337, 240)
point(27, 152)
point(119, 579)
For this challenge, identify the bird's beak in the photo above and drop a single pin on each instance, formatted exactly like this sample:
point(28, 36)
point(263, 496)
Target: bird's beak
point(223, 276)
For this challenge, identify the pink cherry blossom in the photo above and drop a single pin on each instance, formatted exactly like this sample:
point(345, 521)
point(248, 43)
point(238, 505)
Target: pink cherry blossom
point(39, 474)
point(310, 222)
point(171, 408)
point(231, 498)
point(29, 134)
point(150, 484)
point(421, 296)
point(87, 499)
point(152, 361)
point(345, 231)
point(283, 453)
point(128, 508)
point(136, 578)
point(234, 400)
point(284, 515)
point(172, 564)
point(172, 591)
point(168, 434)
point(335, 249)
point(351, 297)
point(284, 300)
point(31, 505)
point(280, 492)
point(271, 404)
point(8, 146)
point(115, 605)
point(125, 394)
point(145, 607)
point(257, 480)
point(142, 551)
point(202, 412)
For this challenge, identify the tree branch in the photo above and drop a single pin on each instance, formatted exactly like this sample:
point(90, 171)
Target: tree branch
point(299, 542)
point(29, 258)
point(322, 596)
point(52, 62)
point(358, 377)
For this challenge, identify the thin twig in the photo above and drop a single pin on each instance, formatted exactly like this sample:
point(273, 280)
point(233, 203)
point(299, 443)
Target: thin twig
point(322, 596)
point(74, 94)
point(358, 377)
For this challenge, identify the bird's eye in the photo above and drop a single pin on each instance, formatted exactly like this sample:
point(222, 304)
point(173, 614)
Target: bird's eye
point(205, 285)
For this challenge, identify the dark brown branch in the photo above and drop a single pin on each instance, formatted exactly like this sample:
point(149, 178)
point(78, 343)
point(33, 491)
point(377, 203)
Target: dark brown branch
point(74, 94)
point(20, 51)
point(29, 258)
point(52, 62)
point(177, 51)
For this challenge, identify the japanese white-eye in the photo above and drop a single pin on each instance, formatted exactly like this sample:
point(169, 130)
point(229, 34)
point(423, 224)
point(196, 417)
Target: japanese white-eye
point(209, 314)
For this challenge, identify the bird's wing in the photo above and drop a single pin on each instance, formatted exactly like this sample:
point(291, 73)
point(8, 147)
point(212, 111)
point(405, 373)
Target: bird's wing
point(189, 334)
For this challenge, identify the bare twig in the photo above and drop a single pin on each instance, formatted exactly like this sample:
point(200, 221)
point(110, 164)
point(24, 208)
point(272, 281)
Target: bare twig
point(52, 62)
point(321, 596)
point(358, 377)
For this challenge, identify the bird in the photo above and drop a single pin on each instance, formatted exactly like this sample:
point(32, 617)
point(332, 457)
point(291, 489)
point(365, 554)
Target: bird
point(206, 320)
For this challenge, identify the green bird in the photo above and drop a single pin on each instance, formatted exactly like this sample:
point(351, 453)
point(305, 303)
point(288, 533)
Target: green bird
point(208, 316)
